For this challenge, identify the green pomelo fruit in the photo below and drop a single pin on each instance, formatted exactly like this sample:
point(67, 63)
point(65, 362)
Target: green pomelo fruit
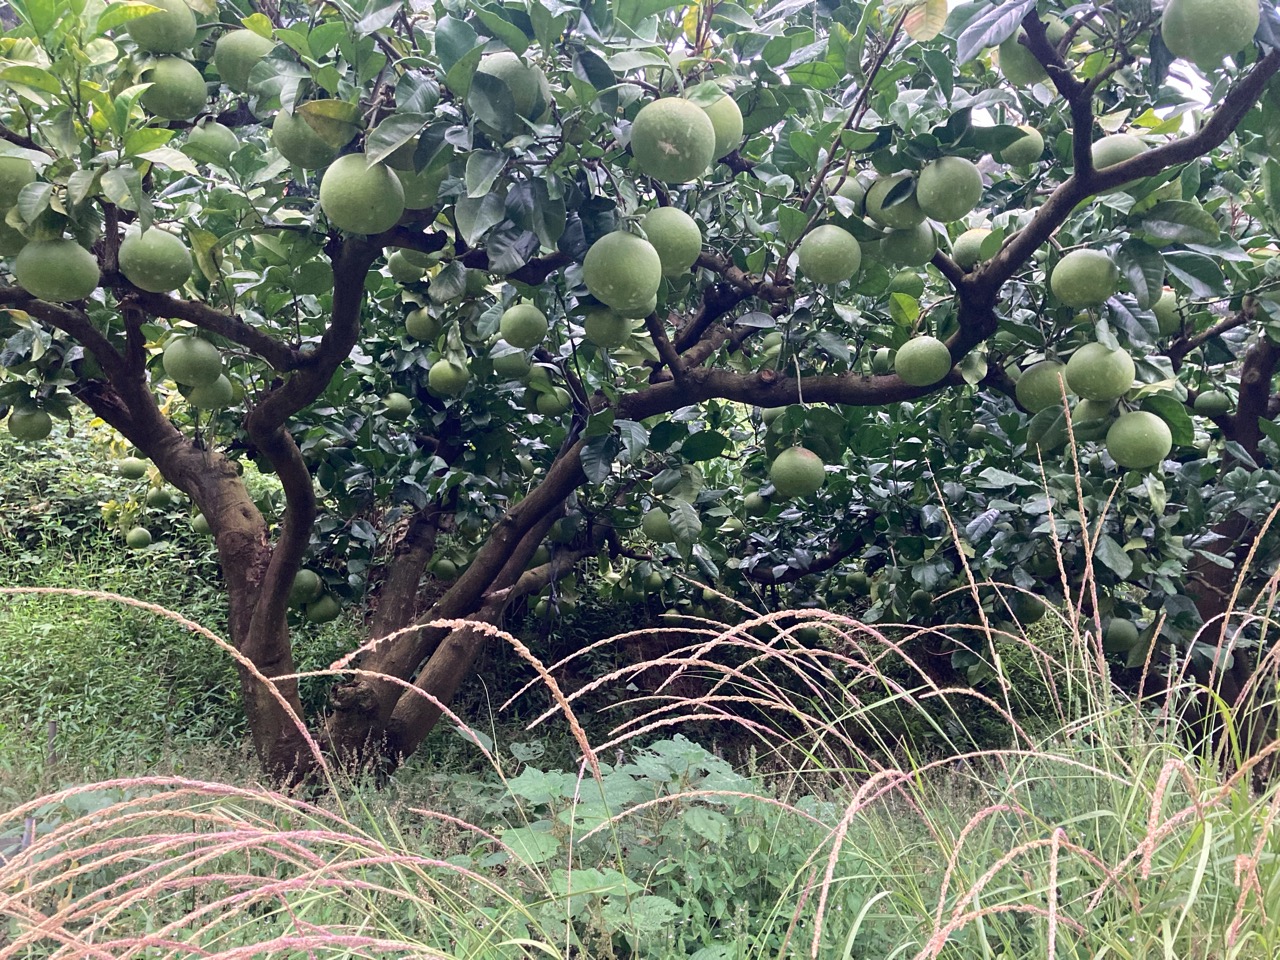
point(623, 271)
point(882, 361)
point(858, 582)
point(1116, 148)
point(401, 270)
point(1206, 32)
point(396, 406)
point(656, 525)
point(156, 261)
point(1212, 403)
point(11, 240)
point(754, 505)
point(1084, 278)
point(56, 270)
point(907, 282)
point(523, 325)
point(236, 54)
point(1027, 609)
point(853, 189)
point(1119, 636)
point(211, 142)
point(447, 379)
point(307, 587)
point(200, 525)
point(192, 362)
point(444, 569)
point(901, 215)
point(1018, 64)
point(132, 468)
point(829, 254)
point(725, 116)
point(511, 366)
point(421, 189)
point(138, 538)
point(1096, 373)
point(1092, 411)
point(169, 30)
point(673, 140)
point(922, 361)
point(1039, 387)
point(158, 498)
point(419, 259)
point(530, 91)
point(797, 472)
point(15, 173)
point(324, 610)
point(359, 198)
point(911, 247)
point(606, 329)
point(1025, 150)
point(676, 237)
point(948, 188)
point(29, 423)
point(477, 283)
point(966, 251)
point(213, 396)
point(1139, 440)
point(555, 403)
point(298, 143)
point(421, 325)
point(177, 90)
point(1168, 319)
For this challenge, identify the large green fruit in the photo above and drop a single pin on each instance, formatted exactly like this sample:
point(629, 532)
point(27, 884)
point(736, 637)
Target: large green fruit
point(1212, 403)
point(157, 260)
point(511, 366)
point(725, 116)
point(1096, 372)
point(169, 30)
point(673, 140)
point(523, 325)
point(29, 423)
point(900, 215)
point(56, 270)
point(1115, 148)
point(908, 282)
point(1139, 440)
point(307, 587)
point(605, 328)
point(797, 472)
point(421, 325)
point(1168, 319)
point(948, 188)
point(530, 91)
point(360, 198)
point(1025, 150)
point(211, 142)
point(1084, 278)
point(1027, 609)
point(922, 361)
point(623, 271)
point(159, 498)
point(298, 143)
point(396, 406)
point(911, 247)
point(1119, 636)
point(402, 269)
point(323, 610)
point(191, 361)
point(1206, 32)
point(1091, 411)
point(200, 525)
point(555, 403)
point(132, 468)
point(829, 254)
point(447, 379)
point(213, 396)
point(1040, 386)
point(236, 54)
point(754, 505)
point(676, 237)
point(138, 538)
point(967, 248)
point(15, 173)
point(177, 90)
point(656, 525)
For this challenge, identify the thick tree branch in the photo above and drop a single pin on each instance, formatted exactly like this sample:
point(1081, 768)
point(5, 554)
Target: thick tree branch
point(1180, 348)
point(70, 321)
point(281, 356)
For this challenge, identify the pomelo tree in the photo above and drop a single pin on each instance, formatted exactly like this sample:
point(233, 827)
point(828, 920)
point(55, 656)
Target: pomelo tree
point(829, 295)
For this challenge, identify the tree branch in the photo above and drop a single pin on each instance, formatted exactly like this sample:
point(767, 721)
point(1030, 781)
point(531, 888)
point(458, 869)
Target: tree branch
point(281, 356)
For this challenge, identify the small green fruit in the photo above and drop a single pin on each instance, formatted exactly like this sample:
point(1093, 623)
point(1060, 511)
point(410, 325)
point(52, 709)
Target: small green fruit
point(675, 236)
point(56, 270)
point(156, 261)
point(396, 406)
point(901, 215)
point(402, 270)
point(1212, 403)
point(177, 90)
point(236, 54)
point(171, 29)
point(138, 538)
point(948, 188)
point(1096, 372)
point(1084, 278)
point(191, 361)
point(200, 525)
point(447, 379)
point(298, 143)
point(1168, 319)
point(623, 271)
point(912, 247)
point(605, 328)
point(673, 140)
point(725, 116)
point(323, 610)
point(967, 248)
point(213, 396)
point(1025, 150)
point(211, 142)
point(307, 587)
point(421, 325)
point(922, 361)
point(1040, 386)
point(656, 525)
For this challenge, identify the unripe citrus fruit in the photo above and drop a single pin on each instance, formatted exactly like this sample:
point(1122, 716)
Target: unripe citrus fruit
point(211, 142)
point(1116, 148)
point(192, 361)
point(156, 261)
point(903, 214)
point(676, 237)
point(401, 270)
point(29, 423)
point(158, 498)
point(1212, 403)
point(882, 361)
point(306, 588)
point(444, 569)
point(236, 54)
point(511, 366)
point(213, 396)
point(656, 525)
point(528, 85)
point(908, 282)
point(1025, 150)
point(1039, 387)
point(623, 271)
point(966, 251)
point(922, 361)
point(1091, 411)
point(323, 610)
point(673, 140)
point(360, 198)
point(1139, 440)
point(11, 241)
point(421, 325)
point(523, 325)
point(420, 259)
point(1018, 64)
point(858, 582)
point(725, 116)
point(606, 329)
point(1168, 320)
point(298, 143)
point(177, 90)
point(1206, 32)
point(396, 406)
point(1119, 636)
point(447, 379)
point(56, 270)
point(911, 247)
point(1095, 372)
point(132, 468)
point(797, 472)
point(829, 254)
point(754, 505)
point(1084, 278)
point(553, 404)
point(200, 525)
point(1027, 609)
point(853, 189)
point(15, 173)
point(169, 30)
point(948, 188)
point(138, 538)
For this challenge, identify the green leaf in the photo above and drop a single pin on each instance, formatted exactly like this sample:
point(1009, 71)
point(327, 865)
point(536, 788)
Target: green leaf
point(454, 39)
point(791, 223)
point(1178, 221)
point(634, 437)
point(597, 456)
point(504, 30)
point(1173, 412)
point(483, 167)
point(1202, 276)
point(904, 309)
point(818, 76)
point(1112, 555)
point(336, 122)
point(704, 445)
point(492, 102)
point(170, 158)
point(208, 254)
point(378, 15)
point(1142, 267)
point(990, 27)
point(118, 14)
point(685, 521)
point(532, 845)
point(925, 20)
point(392, 134)
point(475, 215)
point(632, 12)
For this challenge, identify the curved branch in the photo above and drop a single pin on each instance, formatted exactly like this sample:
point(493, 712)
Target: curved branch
point(834, 556)
point(281, 356)
point(70, 321)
